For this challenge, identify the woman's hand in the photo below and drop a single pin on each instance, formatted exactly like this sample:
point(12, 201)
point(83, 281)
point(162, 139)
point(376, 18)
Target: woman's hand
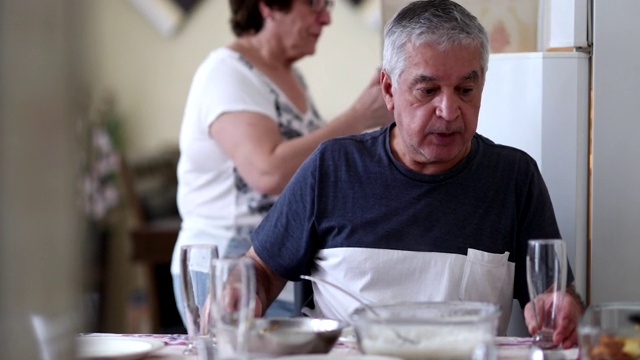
point(370, 108)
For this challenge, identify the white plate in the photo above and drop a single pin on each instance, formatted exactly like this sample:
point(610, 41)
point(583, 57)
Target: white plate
point(336, 357)
point(115, 347)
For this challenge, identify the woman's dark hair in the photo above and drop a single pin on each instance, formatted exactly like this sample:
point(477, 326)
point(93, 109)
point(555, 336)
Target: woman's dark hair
point(246, 17)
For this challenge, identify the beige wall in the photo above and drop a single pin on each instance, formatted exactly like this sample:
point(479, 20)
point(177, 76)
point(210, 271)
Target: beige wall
point(150, 74)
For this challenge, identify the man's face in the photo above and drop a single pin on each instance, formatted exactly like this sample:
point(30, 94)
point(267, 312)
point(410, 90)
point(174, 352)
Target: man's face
point(436, 104)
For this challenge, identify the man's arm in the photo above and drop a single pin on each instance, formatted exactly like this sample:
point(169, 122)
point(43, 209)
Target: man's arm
point(571, 291)
point(268, 283)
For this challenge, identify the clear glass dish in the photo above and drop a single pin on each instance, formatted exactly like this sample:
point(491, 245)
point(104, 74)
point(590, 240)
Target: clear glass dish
point(427, 330)
point(610, 331)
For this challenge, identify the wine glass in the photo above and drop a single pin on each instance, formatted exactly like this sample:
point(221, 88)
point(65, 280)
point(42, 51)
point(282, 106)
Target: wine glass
point(233, 293)
point(546, 280)
point(195, 280)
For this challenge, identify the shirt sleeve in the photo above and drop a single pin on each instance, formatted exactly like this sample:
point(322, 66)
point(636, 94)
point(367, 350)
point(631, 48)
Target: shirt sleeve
point(225, 83)
point(286, 240)
point(538, 221)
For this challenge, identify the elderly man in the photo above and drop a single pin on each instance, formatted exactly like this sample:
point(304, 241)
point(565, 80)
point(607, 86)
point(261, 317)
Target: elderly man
point(424, 209)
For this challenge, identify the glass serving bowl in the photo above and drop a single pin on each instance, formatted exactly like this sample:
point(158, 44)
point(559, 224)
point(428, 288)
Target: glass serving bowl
point(426, 330)
point(610, 331)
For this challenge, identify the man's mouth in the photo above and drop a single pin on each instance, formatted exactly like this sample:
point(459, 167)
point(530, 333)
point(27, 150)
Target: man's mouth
point(444, 134)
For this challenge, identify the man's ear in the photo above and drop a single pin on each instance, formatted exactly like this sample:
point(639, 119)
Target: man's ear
point(387, 89)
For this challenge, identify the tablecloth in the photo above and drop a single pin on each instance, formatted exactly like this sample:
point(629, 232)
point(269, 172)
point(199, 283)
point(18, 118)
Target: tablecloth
point(509, 348)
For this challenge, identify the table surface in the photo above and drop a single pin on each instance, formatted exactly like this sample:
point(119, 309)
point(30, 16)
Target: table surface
point(508, 347)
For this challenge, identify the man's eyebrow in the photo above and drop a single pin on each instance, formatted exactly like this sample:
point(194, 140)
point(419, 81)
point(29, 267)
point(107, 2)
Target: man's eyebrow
point(471, 76)
point(420, 79)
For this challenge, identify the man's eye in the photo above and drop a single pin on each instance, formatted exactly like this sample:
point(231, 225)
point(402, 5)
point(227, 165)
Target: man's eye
point(466, 91)
point(428, 91)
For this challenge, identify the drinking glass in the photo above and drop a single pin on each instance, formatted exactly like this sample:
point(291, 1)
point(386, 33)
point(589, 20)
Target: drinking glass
point(233, 292)
point(195, 279)
point(546, 280)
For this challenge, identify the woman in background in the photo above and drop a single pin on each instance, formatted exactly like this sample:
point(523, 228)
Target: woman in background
point(250, 122)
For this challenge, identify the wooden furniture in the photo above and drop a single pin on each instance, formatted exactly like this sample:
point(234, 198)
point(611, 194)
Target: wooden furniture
point(150, 185)
point(152, 246)
point(153, 242)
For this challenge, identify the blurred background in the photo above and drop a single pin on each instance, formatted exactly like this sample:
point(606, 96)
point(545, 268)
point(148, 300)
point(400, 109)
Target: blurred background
point(91, 99)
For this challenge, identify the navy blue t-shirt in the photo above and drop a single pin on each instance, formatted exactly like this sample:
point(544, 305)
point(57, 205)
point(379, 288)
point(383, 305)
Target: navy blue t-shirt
point(351, 193)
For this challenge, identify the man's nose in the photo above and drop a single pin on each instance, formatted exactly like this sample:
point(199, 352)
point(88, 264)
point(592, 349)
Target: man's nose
point(448, 106)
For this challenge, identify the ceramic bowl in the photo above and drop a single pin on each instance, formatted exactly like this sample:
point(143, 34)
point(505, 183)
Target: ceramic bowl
point(289, 336)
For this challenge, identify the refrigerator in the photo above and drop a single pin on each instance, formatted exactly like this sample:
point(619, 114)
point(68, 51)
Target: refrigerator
point(573, 107)
point(539, 102)
point(614, 247)
point(572, 103)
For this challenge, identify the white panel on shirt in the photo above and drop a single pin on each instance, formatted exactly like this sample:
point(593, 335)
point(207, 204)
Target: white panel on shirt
point(387, 276)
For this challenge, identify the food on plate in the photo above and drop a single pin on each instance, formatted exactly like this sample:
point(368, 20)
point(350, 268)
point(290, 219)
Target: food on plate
point(611, 347)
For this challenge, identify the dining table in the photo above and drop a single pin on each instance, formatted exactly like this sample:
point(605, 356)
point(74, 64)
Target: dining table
point(172, 346)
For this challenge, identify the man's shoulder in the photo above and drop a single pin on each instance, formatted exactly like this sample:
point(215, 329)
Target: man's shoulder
point(352, 149)
point(366, 139)
point(499, 157)
point(493, 148)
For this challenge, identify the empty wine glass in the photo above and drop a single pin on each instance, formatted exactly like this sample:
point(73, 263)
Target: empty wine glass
point(195, 279)
point(546, 280)
point(233, 294)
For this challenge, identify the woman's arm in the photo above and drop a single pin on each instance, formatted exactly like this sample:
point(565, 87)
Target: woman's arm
point(266, 161)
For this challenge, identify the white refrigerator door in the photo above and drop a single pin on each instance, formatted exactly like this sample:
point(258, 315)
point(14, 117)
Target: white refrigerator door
point(615, 220)
point(539, 103)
